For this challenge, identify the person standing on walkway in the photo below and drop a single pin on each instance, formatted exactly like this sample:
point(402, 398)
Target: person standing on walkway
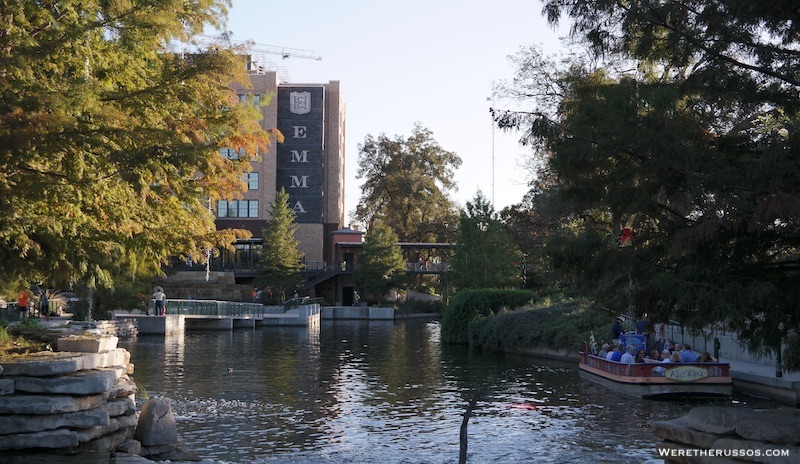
point(22, 304)
point(44, 306)
point(160, 297)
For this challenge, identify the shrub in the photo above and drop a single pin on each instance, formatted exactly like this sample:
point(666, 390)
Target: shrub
point(468, 305)
point(563, 324)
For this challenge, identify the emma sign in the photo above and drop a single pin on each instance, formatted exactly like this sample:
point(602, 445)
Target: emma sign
point(686, 373)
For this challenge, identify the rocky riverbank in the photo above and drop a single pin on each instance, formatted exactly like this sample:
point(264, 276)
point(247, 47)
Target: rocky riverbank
point(81, 398)
point(727, 435)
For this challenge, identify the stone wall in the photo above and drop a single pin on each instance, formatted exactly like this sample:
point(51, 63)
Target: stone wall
point(122, 329)
point(79, 398)
point(723, 434)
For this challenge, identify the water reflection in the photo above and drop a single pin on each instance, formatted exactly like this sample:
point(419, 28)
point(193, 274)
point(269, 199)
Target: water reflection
point(363, 392)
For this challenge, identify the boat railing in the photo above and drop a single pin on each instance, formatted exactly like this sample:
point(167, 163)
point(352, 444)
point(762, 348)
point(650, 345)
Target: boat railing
point(649, 369)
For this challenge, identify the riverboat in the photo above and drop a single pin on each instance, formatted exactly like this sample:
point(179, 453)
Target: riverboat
point(659, 381)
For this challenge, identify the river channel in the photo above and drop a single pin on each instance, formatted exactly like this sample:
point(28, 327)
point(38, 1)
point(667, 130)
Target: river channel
point(387, 392)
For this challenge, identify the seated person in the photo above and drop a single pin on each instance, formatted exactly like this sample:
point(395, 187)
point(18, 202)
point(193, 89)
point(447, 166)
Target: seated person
point(675, 357)
point(628, 358)
point(604, 352)
point(653, 356)
point(687, 355)
point(665, 356)
point(706, 358)
point(639, 358)
point(615, 354)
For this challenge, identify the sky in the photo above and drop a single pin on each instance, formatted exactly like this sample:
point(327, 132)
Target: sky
point(399, 63)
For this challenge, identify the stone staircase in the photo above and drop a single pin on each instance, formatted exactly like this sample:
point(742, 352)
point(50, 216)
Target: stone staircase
point(186, 285)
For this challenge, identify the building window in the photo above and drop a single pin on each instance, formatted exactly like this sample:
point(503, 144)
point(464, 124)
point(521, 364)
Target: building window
point(237, 208)
point(251, 179)
point(230, 153)
point(245, 97)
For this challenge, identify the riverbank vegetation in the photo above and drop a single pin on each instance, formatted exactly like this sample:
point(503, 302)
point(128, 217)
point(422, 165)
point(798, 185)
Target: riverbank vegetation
point(469, 305)
point(666, 169)
point(25, 337)
point(559, 324)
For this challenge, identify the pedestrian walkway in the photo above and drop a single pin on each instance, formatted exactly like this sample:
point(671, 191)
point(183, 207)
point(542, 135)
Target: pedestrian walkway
point(759, 379)
point(761, 369)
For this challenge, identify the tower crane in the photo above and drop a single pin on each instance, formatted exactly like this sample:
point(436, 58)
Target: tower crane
point(284, 52)
point(257, 60)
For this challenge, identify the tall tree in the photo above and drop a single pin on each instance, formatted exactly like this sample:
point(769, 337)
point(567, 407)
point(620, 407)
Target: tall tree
point(381, 266)
point(279, 259)
point(109, 142)
point(485, 256)
point(694, 152)
point(406, 185)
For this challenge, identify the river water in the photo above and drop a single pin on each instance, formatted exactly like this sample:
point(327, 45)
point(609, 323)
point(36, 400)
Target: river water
point(387, 392)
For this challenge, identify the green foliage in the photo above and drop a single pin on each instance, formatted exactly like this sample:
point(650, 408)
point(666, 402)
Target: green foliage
point(468, 305)
point(560, 325)
point(29, 323)
point(279, 259)
point(406, 184)
point(109, 146)
point(693, 151)
point(126, 295)
point(381, 266)
point(4, 335)
point(485, 256)
point(80, 311)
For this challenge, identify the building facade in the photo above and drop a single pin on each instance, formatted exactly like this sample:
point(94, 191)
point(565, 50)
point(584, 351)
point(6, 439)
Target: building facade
point(309, 165)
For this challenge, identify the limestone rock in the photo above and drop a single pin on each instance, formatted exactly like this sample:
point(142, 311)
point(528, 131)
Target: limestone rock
point(49, 363)
point(43, 404)
point(6, 387)
point(75, 420)
point(716, 419)
point(79, 383)
point(106, 443)
point(756, 451)
point(130, 446)
point(87, 343)
point(780, 426)
point(60, 438)
point(120, 407)
point(113, 425)
point(678, 430)
point(681, 454)
point(123, 388)
point(156, 423)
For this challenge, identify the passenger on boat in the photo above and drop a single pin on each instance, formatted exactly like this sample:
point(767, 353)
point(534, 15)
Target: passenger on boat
point(706, 358)
point(687, 355)
point(639, 358)
point(665, 356)
point(603, 352)
point(616, 330)
point(654, 356)
point(628, 358)
point(643, 327)
point(675, 357)
point(615, 354)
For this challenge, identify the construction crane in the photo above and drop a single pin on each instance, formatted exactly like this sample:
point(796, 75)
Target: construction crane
point(256, 52)
point(284, 52)
point(256, 48)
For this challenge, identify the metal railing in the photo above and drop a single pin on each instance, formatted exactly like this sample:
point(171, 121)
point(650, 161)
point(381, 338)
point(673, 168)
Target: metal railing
point(216, 308)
